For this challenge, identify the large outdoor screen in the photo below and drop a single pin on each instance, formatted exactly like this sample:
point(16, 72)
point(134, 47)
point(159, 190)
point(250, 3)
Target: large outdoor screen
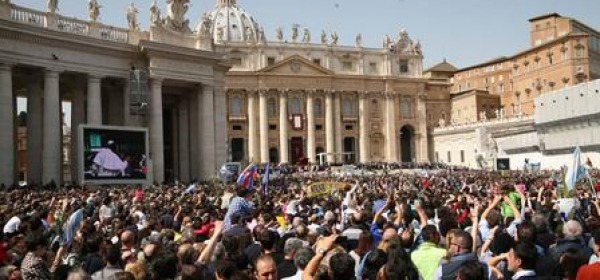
point(113, 155)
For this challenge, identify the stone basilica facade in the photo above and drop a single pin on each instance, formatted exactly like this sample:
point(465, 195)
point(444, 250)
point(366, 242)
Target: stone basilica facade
point(294, 97)
point(220, 91)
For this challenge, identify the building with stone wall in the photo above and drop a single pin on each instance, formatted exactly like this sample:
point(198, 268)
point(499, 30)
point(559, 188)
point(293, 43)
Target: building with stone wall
point(563, 119)
point(49, 58)
point(295, 97)
point(563, 52)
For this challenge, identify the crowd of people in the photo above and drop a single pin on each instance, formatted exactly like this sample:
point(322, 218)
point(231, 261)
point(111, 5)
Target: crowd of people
point(409, 225)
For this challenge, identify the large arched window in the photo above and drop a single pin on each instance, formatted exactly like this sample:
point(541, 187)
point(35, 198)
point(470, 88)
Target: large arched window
point(272, 107)
point(348, 108)
point(406, 108)
point(295, 106)
point(235, 106)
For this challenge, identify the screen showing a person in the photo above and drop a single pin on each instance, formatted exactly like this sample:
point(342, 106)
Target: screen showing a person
point(114, 154)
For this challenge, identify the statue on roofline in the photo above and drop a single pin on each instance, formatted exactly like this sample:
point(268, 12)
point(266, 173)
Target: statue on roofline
point(94, 10)
point(324, 38)
point(132, 13)
point(52, 6)
point(306, 38)
point(154, 14)
point(175, 20)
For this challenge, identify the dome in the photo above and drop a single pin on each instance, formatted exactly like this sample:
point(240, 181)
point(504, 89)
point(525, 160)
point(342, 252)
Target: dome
point(230, 23)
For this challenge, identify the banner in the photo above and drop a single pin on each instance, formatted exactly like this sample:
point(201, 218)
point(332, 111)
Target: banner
point(319, 189)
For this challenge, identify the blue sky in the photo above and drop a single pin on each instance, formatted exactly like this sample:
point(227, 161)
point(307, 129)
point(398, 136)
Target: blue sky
point(465, 32)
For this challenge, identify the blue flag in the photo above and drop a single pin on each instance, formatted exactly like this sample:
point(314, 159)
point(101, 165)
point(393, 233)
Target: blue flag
point(265, 181)
point(575, 171)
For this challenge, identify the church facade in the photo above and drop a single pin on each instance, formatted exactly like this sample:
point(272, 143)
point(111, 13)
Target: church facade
point(296, 98)
point(221, 91)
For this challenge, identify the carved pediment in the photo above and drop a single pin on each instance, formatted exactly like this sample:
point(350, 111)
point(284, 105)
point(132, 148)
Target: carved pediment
point(296, 65)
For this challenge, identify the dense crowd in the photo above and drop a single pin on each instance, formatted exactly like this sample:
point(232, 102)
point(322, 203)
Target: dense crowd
point(409, 225)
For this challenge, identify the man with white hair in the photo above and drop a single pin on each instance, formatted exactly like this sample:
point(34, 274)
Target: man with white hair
point(572, 232)
point(287, 268)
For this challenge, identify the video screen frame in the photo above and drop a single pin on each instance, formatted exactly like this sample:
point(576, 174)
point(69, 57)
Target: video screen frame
point(81, 150)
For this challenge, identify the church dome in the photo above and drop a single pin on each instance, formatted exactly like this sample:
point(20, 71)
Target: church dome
point(230, 23)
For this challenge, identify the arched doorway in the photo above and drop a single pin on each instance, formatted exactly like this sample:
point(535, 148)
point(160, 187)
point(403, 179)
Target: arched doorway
point(407, 134)
point(273, 155)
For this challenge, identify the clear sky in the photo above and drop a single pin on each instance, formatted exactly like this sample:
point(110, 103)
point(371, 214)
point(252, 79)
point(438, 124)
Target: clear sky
point(465, 32)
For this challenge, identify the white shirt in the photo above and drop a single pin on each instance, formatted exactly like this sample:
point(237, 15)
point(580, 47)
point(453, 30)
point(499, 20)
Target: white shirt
point(297, 276)
point(12, 225)
point(522, 273)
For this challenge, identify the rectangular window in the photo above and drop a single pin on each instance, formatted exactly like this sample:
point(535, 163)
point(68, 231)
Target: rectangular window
point(349, 127)
point(270, 61)
point(403, 65)
point(449, 158)
point(236, 61)
point(237, 127)
point(462, 156)
point(347, 65)
point(319, 127)
point(272, 127)
point(316, 61)
point(373, 67)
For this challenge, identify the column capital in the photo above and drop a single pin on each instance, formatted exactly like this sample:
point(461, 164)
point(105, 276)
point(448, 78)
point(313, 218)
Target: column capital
point(310, 91)
point(156, 79)
point(6, 66)
point(94, 77)
point(263, 92)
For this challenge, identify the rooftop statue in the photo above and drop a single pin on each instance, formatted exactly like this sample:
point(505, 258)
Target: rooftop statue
point(306, 38)
point(294, 32)
point(52, 5)
point(155, 14)
point(334, 39)
point(94, 10)
point(279, 32)
point(132, 13)
point(175, 20)
point(324, 38)
point(358, 42)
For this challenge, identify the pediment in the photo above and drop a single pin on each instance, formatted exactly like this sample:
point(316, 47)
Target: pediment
point(296, 65)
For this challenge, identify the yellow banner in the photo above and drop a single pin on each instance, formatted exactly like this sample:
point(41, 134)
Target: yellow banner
point(317, 189)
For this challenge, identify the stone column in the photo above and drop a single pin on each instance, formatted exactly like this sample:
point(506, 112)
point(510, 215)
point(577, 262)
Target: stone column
point(126, 102)
point(310, 116)
point(194, 135)
point(7, 127)
point(337, 119)
point(34, 130)
point(423, 145)
point(283, 128)
point(253, 155)
point(329, 129)
point(220, 137)
point(206, 131)
point(157, 153)
point(94, 100)
point(184, 141)
point(77, 118)
point(52, 147)
point(363, 129)
point(390, 128)
point(175, 135)
point(264, 127)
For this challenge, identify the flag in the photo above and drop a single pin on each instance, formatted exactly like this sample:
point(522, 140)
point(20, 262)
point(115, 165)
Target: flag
point(265, 181)
point(246, 178)
point(575, 171)
point(191, 188)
